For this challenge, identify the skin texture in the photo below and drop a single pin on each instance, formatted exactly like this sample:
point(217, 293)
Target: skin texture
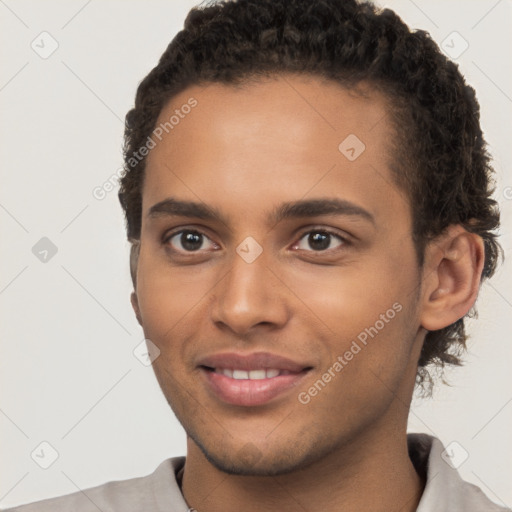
point(244, 151)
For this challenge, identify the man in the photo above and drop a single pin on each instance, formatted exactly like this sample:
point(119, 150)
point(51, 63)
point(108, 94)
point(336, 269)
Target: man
point(307, 195)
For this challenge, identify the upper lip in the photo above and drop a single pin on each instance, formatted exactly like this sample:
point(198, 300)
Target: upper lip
point(253, 361)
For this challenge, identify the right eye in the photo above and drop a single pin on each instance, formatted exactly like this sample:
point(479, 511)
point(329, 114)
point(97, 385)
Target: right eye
point(188, 241)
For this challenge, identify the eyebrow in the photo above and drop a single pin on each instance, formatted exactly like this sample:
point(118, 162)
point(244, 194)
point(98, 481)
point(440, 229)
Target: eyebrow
point(288, 210)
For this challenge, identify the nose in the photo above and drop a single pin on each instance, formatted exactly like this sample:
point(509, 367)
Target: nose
point(250, 297)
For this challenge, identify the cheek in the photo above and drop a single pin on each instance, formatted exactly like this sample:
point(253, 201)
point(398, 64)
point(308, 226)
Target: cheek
point(369, 307)
point(351, 297)
point(169, 298)
point(364, 374)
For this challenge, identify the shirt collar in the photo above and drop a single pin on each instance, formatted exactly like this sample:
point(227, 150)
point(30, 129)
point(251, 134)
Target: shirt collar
point(445, 489)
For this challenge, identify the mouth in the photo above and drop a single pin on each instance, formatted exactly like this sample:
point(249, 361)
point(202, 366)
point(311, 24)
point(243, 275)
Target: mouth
point(259, 374)
point(250, 380)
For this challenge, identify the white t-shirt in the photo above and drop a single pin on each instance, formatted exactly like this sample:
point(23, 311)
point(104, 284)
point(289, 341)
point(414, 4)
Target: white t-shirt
point(445, 491)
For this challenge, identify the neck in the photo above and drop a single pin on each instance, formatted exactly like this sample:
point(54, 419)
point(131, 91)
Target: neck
point(373, 472)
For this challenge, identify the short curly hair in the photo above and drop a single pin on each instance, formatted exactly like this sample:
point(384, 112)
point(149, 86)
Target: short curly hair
point(440, 156)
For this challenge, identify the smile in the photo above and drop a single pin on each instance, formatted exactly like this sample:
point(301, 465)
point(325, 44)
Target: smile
point(250, 380)
point(259, 374)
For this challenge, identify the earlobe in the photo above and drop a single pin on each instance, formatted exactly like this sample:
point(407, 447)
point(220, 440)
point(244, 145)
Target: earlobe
point(452, 272)
point(135, 305)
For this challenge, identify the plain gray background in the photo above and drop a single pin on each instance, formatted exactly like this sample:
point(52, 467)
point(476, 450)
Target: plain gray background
point(68, 373)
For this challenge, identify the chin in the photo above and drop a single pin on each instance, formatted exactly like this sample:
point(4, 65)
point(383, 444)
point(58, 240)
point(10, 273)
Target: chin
point(249, 460)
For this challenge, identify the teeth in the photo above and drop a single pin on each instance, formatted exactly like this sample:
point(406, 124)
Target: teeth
point(240, 374)
point(251, 375)
point(257, 374)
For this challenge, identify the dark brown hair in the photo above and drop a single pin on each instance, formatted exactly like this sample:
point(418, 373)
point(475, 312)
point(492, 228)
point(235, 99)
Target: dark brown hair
point(440, 155)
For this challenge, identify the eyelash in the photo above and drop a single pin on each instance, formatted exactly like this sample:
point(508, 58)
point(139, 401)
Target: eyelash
point(343, 241)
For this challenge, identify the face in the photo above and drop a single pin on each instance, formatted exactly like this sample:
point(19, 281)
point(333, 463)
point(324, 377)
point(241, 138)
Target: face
point(277, 274)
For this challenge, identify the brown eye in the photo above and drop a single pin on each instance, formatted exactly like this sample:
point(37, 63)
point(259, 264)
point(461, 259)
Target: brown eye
point(319, 241)
point(189, 241)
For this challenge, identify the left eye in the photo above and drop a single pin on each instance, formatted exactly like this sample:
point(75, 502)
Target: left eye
point(189, 241)
point(319, 241)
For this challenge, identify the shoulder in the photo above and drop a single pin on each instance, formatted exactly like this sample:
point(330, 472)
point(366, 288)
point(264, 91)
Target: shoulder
point(445, 489)
point(157, 491)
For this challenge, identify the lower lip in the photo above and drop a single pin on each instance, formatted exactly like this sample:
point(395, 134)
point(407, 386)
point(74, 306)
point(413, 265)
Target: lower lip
point(247, 392)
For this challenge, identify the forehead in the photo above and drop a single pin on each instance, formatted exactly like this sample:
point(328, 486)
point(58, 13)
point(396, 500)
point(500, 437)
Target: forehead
point(301, 104)
point(269, 141)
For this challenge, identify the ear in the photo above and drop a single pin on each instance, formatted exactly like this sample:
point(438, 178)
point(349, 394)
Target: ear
point(134, 261)
point(451, 277)
point(135, 305)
